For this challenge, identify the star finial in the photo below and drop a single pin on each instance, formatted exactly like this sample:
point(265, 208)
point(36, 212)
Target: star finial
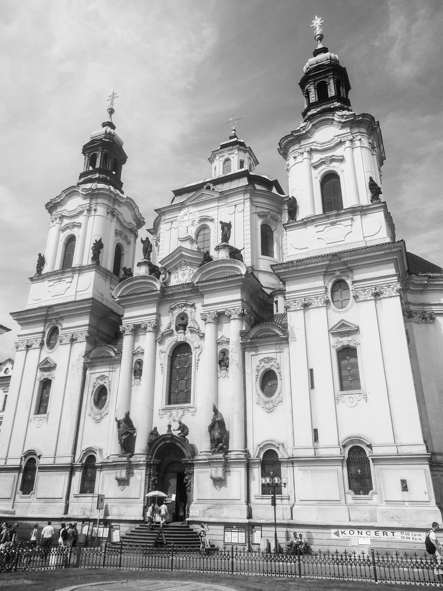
point(233, 122)
point(316, 23)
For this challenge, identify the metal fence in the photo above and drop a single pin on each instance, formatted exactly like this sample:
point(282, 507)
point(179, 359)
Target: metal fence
point(376, 567)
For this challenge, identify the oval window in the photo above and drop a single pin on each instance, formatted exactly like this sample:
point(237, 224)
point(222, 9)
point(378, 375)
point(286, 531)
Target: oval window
point(100, 397)
point(52, 338)
point(269, 383)
point(340, 294)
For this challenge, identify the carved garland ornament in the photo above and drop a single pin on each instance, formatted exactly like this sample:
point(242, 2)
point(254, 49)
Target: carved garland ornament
point(373, 291)
point(311, 302)
point(351, 400)
point(177, 413)
point(419, 316)
point(268, 402)
point(98, 413)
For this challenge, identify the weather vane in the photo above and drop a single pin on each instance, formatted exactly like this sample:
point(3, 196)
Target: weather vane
point(233, 122)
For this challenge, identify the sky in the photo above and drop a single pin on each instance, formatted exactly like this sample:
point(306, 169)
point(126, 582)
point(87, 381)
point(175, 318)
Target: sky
point(181, 69)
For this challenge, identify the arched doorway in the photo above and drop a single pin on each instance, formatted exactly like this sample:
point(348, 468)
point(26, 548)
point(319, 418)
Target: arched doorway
point(170, 470)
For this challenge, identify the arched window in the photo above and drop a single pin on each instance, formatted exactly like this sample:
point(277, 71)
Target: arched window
point(89, 474)
point(117, 260)
point(105, 160)
point(28, 478)
point(322, 91)
point(359, 471)
point(338, 87)
point(68, 255)
point(270, 463)
point(203, 238)
point(348, 371)
point(227, 166)
point(43, 397)
point(267, 240)
point(340, 294)
point(92, 161)
point(331, 193)
point(180, 378)
point(115, 166)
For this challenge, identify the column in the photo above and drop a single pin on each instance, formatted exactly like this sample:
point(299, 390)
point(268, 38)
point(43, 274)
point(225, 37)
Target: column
point(125, 381)
point(310, 204)
point(108, 260)
point(209, 375)
point(237, 441)
point(80, 250)
point(351, 177)
point(53, 244)
point(142, 407)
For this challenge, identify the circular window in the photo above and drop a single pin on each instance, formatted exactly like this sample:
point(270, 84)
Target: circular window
point(340, 294)
point(100, 397)
point(52, 338)
point(269, 383)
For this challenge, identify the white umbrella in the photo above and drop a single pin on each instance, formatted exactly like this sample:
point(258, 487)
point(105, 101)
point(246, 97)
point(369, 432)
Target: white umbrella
point(156, 493)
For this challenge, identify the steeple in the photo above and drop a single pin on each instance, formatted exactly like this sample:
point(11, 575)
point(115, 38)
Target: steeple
point(232, 155)
point(325, 84)
point(104, 154)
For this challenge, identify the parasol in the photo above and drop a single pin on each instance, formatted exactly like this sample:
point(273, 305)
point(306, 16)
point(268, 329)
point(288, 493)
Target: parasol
point(156, 494)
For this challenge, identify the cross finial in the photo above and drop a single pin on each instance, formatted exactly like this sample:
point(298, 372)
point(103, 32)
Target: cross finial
point(111, 99)
point(233, 122)
point(316, 23)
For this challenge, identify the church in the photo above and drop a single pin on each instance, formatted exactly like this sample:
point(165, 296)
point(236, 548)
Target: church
point(271, 357)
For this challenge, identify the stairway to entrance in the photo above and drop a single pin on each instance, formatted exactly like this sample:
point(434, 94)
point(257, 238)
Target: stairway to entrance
point(179, 534)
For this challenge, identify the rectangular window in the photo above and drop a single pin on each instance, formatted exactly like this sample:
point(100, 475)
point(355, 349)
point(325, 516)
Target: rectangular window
point(43, 398)
point(348, 369)
point(5, 398)
point(311, 378)
point(242, 163)
point(315, 435)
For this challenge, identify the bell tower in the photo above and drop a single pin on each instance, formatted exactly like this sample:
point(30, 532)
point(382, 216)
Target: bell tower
point(334, 161)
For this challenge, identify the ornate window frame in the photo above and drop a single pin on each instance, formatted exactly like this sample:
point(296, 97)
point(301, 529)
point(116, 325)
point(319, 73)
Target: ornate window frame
point(28, 455)
point(346, 445)
point(269, 219)
point(201, 224)
point(98, 414)
point(54, 324)
point(330, 285)
point(345, 334)
point(263, 365)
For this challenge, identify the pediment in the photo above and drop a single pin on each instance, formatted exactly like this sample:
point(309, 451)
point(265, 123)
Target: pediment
point(47, 364)
point(266, 330)
point(343, 328)
point(202, 195)
point(219, 269)
point(180, 255)
point(138, 284)
point(102, 352)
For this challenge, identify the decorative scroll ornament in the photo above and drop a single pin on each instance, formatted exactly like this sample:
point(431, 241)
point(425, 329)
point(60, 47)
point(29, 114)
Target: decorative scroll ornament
point(149, 325)
point(419, 316)
point(127, 329)
point(303, 303)
point(177, 413)
point(98, 413)
point(38, 420)
point(35, 343)
point(346, 341)
point(21, 345)
point(374, 291)
point(209, 317)
point(267, 400)
point(235, 313)
point(351, 400)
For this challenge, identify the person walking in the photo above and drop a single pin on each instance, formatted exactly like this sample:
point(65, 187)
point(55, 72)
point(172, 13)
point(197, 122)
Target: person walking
point(203, 535)
point(74, 534)
point(63, 536)
point(34, 536)
point(163, 514)
point(434, 548)
point(46, 539)
point(5, 537)
point(150, 515)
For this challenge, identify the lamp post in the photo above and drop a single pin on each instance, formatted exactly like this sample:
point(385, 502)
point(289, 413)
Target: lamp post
point(273, 482)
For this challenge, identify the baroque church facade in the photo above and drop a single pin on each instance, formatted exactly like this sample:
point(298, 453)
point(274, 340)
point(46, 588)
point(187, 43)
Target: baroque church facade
point(261, 334)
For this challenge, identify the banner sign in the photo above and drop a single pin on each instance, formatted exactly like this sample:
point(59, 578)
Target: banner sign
point(379, 534)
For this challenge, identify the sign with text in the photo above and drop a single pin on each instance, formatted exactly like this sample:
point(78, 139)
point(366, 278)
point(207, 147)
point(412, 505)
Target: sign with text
point(100, 502)
point(235, 535)
point(379, 534)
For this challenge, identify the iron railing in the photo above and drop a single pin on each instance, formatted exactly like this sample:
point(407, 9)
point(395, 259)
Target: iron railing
point(418, 569)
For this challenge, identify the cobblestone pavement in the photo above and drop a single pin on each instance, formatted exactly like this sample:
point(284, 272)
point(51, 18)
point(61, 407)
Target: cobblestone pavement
point(149, 586)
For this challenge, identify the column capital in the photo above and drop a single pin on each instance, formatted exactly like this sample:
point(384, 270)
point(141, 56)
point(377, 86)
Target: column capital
point(127, 329)
point(149, 325)
point(235, 313)
point(209, 317)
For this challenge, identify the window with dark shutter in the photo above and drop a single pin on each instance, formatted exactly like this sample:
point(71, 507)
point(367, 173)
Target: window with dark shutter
point(359, 471)
point(117, 260)
point(331, 193)
point(267, 240)
point(180, 377)
point(349, 373)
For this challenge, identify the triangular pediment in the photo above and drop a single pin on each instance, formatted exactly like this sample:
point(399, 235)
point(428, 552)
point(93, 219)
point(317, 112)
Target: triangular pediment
point(207, 192)
point(47, 364)
point(343, 328)
point(182, 255)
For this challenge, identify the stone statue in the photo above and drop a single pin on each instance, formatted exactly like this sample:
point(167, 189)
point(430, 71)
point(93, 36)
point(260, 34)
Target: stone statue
point(292, 209)
point(206, 259)
point(126, 273)
point(97, 247)
point(236, 254)
point(147, 248)
point(181, 323)
point(218, 434)
point(138, 369)
point(375, 190)
point(153, 435)
point(223, 359)
point(182, 431)
point(40, 263)
point(225, 231)
point(154, 270)
point(126, 434)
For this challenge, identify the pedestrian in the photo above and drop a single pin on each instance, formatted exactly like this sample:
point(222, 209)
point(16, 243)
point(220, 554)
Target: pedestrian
point(181, 511)
point(203, 535)
point(434, 548)
point(70, 538)
point(13, 532)
point(163, 514)
point(5, 537)
point(34, 536)
point(150, 515)
point(293, 542)
point(46, 539)
point(63, 536)
point(74, 534)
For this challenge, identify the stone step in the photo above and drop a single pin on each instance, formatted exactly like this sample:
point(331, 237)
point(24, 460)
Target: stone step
point(179, 534)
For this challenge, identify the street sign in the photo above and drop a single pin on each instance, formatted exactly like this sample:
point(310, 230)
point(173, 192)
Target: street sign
point(379, 534)
point(100, 502)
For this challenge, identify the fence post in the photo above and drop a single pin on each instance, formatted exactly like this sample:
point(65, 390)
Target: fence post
point(232, 560)
point(374, 565)
point(298, 560)
point(121, 556)
point(172, 557)
point(104, 554)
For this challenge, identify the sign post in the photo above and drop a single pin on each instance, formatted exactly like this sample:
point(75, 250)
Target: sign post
point(100, 507)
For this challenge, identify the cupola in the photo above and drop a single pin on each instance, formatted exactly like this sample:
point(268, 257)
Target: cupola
point(325, 84)
point(232, 155)
point(104, 154)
